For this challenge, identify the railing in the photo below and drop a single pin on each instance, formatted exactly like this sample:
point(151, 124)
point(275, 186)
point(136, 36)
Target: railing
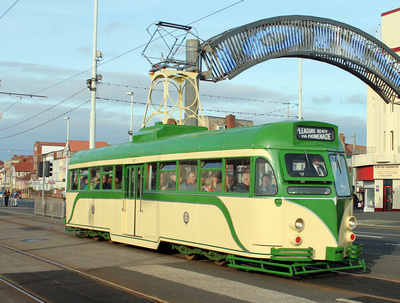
point(50, 207)
point(364, 150)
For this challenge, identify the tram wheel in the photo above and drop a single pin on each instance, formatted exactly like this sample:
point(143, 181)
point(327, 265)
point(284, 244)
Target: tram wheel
point(191, 257)
point(220, 263)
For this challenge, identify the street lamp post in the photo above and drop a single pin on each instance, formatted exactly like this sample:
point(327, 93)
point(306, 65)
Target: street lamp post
point(67, 151)
point(130, 132)
point(10, 171)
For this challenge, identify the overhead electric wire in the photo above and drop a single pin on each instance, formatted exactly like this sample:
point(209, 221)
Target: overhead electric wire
point(44, 123)
point(46, 110)
point(9, 9)
point(204, 95)
point(203, 109)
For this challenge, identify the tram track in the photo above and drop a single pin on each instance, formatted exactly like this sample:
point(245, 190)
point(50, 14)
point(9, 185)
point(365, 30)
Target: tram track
point(137, 294)
point(21, 290)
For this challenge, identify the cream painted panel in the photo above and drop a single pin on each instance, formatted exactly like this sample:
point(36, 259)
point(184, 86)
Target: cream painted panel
point(267, 222)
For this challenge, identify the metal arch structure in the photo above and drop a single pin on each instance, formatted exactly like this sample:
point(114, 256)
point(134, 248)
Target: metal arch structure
point(234, 51)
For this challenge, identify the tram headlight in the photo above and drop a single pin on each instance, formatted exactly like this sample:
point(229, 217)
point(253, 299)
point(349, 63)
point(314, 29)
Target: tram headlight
point(296, 224)
point(351, 222)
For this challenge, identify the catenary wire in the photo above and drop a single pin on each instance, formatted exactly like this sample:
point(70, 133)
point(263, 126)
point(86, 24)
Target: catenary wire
point(8, 9)
point(270, 114)
point(44, 123)
point(46, 110)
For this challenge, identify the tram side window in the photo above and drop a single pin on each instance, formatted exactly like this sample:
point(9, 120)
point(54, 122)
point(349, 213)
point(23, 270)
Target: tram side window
point(83, 179)
point(265, 178)
point(188, 175)
point(118, 177)
point(167, 177)
point(211, 175)
point(151, 176)
point(237, 173)
point(73, 179)
point(94, 178)
point(107, 177)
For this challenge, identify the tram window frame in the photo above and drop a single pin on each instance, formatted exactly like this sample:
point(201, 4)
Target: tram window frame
point(151, 176)
point(167, 169)
point(83, 175)
point(341, 174)
point(188, 166)
point(304, 170)
point(260, 189)
point(235, 168)
point(308, 190)
point(73, 179)
point(211, 175)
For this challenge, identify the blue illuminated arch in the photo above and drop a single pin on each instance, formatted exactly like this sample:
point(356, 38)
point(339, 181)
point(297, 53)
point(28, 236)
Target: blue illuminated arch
point(232, 52)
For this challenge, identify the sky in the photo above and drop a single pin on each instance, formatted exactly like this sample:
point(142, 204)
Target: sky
point(46, 50)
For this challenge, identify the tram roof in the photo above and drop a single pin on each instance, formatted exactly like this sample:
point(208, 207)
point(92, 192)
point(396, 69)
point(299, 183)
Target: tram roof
point(168, 139)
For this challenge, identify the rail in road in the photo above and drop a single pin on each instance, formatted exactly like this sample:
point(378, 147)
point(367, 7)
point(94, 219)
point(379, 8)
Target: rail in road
point(37, 256)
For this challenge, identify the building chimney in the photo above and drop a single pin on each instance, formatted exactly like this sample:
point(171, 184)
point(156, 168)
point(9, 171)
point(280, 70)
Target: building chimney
point(171, 121)
point(230, 121)
point(343, 138)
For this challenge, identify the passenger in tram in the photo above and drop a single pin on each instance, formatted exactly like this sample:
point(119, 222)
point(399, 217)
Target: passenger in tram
point(266, 187)
point(84, 183)
point(95, 183)
point(190, 183)
point(208, 185)
point(164, 179)
point(315, 169)
point(244, 186)
point(230, 184)
point(117, 183)
point(171, 185)
point(106, 184)
point(216, 182)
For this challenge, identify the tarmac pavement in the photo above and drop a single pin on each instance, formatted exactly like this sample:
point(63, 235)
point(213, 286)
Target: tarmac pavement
point(387, 219)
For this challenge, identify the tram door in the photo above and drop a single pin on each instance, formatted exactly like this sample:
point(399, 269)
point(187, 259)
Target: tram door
point(133, 192)
point(387, 197)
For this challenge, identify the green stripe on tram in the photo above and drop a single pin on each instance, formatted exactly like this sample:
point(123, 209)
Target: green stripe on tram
point(162, 198)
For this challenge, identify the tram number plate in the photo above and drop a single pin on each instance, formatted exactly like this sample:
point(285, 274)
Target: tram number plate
point(315, 133)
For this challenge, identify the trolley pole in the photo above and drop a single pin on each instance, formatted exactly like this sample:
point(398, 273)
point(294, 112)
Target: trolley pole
point(300, 91)
point(130, 132)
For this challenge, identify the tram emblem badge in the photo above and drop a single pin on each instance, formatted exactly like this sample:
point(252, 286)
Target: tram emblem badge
point(186, 217)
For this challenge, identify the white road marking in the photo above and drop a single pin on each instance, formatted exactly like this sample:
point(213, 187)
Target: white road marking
point(368, 236)
point(219, 286)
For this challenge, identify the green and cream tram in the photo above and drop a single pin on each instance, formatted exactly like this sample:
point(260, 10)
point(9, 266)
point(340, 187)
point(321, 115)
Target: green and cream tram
point(251, 197)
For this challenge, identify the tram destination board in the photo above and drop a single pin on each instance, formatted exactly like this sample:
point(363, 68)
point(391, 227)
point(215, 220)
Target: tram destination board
point(315, 133)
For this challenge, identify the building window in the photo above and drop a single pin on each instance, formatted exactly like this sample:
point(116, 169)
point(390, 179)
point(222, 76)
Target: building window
point(391, 140)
